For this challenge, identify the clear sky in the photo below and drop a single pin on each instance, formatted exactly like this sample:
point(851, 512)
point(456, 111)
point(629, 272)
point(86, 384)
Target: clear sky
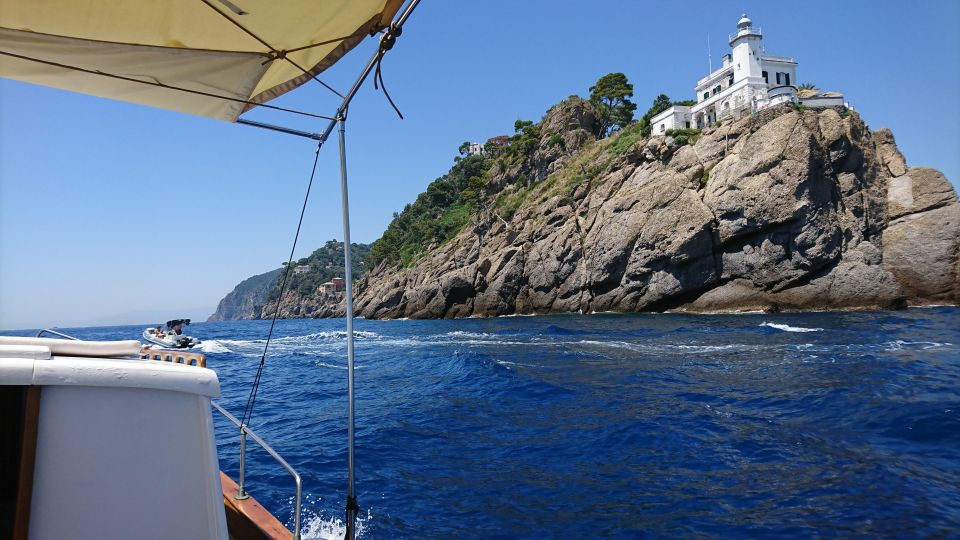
point(117, 213)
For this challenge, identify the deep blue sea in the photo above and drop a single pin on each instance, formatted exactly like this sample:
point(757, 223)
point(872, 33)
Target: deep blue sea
point(607, 426)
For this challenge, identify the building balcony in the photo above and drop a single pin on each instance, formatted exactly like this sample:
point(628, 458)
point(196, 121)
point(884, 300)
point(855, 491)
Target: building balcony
point(781, 90)
point(745, 32)
point(718, 75)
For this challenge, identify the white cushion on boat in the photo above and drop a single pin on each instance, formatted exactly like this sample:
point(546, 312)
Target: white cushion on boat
point(33, 352)
point(70, 347)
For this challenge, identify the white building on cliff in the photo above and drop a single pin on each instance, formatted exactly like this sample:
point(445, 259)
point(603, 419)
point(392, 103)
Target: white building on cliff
point(748, 80)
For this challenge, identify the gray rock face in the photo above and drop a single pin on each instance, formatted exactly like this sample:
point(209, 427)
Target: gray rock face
point(246, 299)
point(296, 306)
point(922, 240)
point(781, 210)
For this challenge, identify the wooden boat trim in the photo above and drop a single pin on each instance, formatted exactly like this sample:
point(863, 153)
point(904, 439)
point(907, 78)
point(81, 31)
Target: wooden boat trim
point(247, 519)
point(174, 357)
point(28, 457)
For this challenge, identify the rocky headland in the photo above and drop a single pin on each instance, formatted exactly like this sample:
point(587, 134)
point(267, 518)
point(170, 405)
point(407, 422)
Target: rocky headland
point(787, 209)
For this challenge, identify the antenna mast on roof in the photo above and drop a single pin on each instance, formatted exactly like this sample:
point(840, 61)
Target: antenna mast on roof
point(709, 57)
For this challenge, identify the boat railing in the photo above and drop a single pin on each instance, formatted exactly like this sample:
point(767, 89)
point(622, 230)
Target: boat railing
point(241, 492)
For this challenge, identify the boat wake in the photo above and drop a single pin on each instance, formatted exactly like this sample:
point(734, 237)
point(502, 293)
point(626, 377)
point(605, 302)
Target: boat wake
point(332, 344)
point(214, 347)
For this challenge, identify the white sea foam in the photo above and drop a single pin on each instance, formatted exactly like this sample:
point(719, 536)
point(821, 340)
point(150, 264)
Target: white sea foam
point(334, 366)
point(711, 348)
point(318, 527)
point(332, 334)
point(788, 328)
point(510, 365)
point(611, 344)
point(325, 529)
point(660, 347)
point(214, 346)
point(313, 343)
point(900, 344)
point(461, 333)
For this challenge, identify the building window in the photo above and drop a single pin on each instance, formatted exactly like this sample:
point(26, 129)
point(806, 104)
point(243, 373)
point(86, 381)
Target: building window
point(716, 90)
point(662, 128)
point(765, 79)
point(787, 77)
point(706, 95)
point(687, 124)
point(730, 81)
point(778, 77)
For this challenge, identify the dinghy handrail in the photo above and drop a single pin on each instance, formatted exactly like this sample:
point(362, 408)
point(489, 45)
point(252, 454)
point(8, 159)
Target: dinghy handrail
point(241, 492)
point(54, 332)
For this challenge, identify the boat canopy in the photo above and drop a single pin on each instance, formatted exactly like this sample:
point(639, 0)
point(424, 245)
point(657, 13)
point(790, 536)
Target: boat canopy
point(174, 322)
point(214, 58)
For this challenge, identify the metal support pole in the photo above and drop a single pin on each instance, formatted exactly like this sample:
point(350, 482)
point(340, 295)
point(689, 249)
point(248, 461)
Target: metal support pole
point(348, 278)
point(242, 493)
point(341, 117)
point(351, 514)
point(281, 129)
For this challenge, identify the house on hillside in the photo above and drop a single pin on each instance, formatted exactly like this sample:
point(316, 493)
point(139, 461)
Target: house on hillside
point(331, 287)
point(498, 141)
point(474, 149)
point(301, 269)
point(747, 81)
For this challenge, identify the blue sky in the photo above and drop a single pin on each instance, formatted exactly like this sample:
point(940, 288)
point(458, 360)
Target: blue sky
point(117, 213)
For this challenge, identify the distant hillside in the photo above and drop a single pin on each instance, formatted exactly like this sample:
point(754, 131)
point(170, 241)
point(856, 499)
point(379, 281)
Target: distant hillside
point(246, 299)
point(256, 297)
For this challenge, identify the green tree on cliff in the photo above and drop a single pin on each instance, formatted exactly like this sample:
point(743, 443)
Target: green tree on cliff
point(610, 96)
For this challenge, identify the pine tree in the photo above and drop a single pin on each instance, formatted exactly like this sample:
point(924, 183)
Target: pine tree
point(610, 96)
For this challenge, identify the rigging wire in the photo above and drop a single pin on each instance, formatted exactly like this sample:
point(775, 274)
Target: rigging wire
point(274, 54)
point(163, 85)
point(252, 397)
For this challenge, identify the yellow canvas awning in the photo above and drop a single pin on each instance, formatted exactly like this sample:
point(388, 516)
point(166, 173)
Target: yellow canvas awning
point(247, 51)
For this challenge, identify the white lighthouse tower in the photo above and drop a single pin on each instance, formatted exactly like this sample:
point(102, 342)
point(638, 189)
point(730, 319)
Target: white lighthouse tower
point(748, 80)
point(746, 51)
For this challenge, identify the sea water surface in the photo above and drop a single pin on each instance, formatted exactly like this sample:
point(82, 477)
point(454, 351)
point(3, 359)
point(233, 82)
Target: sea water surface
point(606, 426)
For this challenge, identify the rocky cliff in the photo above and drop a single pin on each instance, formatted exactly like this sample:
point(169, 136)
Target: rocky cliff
point(304, 296)
point(787, 209)
point(246, 299)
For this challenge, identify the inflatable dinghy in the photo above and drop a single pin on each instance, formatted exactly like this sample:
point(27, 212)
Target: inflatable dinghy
point(171, 338)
